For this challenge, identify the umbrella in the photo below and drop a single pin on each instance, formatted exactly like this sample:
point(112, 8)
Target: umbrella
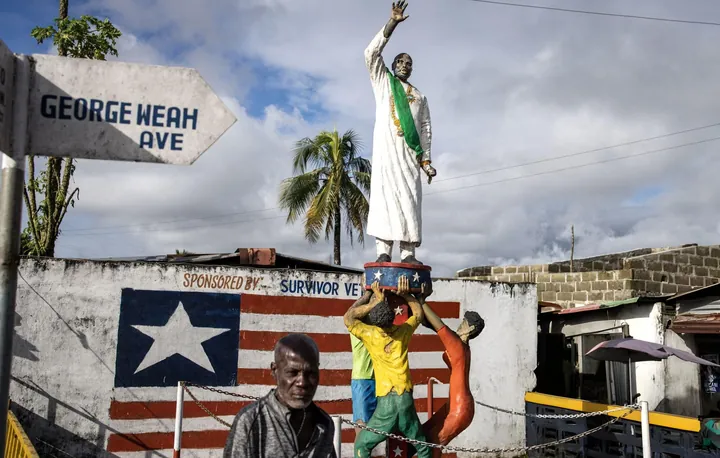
point(629, 350)
point(633, 350)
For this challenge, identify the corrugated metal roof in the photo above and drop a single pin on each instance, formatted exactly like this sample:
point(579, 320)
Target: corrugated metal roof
point(612, 304)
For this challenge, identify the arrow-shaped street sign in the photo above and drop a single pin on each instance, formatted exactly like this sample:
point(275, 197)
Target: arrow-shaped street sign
point(119, 111)
point(89, 109)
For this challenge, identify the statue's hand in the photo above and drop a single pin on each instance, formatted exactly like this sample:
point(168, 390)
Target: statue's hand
point(403, 287)
point(397, 13)
point(429, 171)
point(426, 290)
point(377, 292)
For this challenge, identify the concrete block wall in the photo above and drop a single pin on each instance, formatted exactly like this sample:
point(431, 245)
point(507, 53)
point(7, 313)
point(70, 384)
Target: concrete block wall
point(676, 271)
point(647, 272)
point(578, 287)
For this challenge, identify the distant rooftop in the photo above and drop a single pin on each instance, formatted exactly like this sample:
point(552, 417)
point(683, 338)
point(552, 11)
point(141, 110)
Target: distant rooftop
point(251, 257)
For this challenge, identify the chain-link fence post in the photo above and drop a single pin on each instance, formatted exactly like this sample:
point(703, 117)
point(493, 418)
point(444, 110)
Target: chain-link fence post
point(178, 420)
point(645, 429)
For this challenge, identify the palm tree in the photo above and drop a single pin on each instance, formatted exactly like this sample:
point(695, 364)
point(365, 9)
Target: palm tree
point(330, 180)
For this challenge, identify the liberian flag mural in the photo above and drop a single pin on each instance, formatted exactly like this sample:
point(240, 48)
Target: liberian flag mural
point(225, 341)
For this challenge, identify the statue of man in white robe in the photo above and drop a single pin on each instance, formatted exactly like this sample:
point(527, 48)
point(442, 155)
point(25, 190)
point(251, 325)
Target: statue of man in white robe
point(401, 149)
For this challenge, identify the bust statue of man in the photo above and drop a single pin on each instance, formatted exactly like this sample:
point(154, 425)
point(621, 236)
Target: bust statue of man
point(401, 149)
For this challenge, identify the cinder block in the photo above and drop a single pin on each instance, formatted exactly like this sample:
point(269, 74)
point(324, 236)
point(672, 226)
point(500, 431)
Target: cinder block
point(636, 264)
point(583, 286)
point(701, 271)
point(669, 267)
point(669, 288)
point(567, 287)
point(653, 287)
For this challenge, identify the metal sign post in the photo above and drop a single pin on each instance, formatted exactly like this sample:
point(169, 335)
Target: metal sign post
point(14, 72)
point(89, 109)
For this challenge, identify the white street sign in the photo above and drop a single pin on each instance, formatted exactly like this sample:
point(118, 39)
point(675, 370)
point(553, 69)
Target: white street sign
point(118, 111)
point(7, 74)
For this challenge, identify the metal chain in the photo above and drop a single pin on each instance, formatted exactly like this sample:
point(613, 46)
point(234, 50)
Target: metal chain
point(429, 444)
point(215, 390)
point(247, 396)
point(560, 416)
point(487, 450)
point(202, 406)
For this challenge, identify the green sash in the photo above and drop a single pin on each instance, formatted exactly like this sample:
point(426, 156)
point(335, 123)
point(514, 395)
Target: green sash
point(404, 115)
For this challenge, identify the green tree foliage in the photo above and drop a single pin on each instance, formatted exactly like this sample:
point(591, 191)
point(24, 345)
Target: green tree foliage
point(330, 181)
point(46, 195)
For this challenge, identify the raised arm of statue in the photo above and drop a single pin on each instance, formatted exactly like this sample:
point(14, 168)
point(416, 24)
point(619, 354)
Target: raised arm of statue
point(373, 58)
point(373, 53)
point(403, 290)
point(359, 310)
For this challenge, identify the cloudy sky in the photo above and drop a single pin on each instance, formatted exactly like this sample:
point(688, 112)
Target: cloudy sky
point(516, 95)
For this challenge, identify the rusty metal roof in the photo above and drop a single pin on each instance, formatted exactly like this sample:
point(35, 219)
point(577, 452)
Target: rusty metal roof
point(708, 323)
point(610, 304)
point(251, 257)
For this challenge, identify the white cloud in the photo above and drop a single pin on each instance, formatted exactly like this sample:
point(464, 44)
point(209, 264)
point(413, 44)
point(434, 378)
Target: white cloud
point(505, 85)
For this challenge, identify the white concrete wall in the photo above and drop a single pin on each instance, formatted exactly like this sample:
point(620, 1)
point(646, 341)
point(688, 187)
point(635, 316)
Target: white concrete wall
point(682, 379)
point(504, 358)
point(67, 336)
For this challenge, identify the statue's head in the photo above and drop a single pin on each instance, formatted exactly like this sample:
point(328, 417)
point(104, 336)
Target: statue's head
point(381, 315)
point(402, 66)
point(470, 327)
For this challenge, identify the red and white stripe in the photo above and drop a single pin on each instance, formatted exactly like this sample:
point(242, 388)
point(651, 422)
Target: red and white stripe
point(142, 418)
